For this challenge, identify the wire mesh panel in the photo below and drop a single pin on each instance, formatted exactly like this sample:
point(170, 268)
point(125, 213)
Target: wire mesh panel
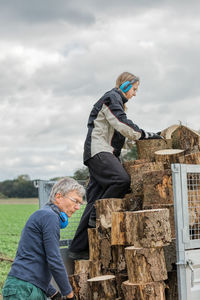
point(193, 186)
point(186, 190)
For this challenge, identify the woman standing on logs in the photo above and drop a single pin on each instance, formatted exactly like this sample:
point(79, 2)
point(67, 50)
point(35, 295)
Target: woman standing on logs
point(108, 127)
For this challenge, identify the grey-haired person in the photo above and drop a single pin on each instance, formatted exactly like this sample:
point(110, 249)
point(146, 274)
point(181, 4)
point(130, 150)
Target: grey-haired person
point(38, 255)
point(108, 131)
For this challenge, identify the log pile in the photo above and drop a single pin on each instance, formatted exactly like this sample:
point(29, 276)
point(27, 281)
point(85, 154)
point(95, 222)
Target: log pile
point(133, 249)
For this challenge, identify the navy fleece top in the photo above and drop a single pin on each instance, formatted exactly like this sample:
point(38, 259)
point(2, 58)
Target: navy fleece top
point(38, 255)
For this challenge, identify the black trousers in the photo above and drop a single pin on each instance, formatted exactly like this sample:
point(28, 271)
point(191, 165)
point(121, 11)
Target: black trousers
point(108, 179)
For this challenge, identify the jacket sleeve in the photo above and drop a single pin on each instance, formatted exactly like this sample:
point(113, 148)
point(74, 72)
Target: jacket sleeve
point(115, 115)
point(51, 236)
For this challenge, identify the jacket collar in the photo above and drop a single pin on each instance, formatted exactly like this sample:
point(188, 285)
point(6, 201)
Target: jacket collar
point(124, 99)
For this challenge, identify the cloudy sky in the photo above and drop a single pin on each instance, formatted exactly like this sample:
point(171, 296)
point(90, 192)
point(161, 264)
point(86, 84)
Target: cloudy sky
point(57, 57)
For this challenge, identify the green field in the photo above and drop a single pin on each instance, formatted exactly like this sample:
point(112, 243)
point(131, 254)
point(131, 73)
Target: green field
point(14, 214)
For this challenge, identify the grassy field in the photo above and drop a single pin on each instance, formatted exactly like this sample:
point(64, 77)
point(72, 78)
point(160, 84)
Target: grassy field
point(14, 214)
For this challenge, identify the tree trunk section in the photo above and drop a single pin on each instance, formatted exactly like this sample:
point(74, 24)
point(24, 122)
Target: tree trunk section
point(102, 288)
point(168, 156)
point(158, 188)
point(186, 139)
point(146, 148)
point(149, 291)
point(142, 229)
point(81, 266)
point(193, 159)
point(80, 285)
point(145, 264)
point(105, 207)
point(93, 244)
point(136, 173)
point(171, 214)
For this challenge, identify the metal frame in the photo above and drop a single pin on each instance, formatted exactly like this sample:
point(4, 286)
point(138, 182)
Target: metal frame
point(185, 247)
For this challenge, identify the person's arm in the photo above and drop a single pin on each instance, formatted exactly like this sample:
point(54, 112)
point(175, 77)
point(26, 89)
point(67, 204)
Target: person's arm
point(116, 116)
point(51, 236)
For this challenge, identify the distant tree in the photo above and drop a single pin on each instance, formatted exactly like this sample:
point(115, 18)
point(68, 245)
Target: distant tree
point(81, 174)
point(131, 154)
point(21, 187)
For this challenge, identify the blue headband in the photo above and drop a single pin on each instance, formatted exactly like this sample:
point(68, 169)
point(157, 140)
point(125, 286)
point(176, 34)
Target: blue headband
point(127, 85)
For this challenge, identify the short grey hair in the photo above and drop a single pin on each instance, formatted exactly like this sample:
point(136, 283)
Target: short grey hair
point(64, 186)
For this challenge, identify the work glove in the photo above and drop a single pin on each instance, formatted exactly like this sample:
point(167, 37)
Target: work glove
point(57, 296)
point(152, 135)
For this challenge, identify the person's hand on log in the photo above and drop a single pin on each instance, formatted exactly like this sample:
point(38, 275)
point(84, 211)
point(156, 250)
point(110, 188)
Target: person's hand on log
point(152, 135)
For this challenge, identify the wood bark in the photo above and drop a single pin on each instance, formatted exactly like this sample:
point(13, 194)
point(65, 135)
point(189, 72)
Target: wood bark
point(168, 156)
point(120, 278)
point(171, 214)
point(81, 266)
point(93, 244)
point(145, 264)
point(167, 133)
point(171, 291)
point(102, 288)
point(105, 207)
point(147, 228)
point(136, 173)
point(146, 148)
point(128, 164)
point(149, 291)
point(158, 187)
point(80, 285)
point(193, 159)
point(186, 139)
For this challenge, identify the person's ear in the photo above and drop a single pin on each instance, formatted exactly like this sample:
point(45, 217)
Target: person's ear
point(58, 197)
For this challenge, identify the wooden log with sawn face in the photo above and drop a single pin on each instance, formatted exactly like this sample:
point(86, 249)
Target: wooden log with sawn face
point(102, 287)
point(145, 264)
point(148, 291)
point(146, 148)
point(142, 229)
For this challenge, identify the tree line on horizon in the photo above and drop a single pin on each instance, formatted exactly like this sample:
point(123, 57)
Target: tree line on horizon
point(23, 186)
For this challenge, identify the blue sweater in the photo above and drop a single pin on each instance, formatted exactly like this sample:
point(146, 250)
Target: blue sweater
point(38, 255)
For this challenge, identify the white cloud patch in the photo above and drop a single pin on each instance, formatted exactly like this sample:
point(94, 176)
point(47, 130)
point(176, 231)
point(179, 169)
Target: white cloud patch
point(56, 60)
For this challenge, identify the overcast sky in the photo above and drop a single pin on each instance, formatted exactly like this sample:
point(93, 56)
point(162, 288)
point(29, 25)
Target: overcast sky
point(57, 57)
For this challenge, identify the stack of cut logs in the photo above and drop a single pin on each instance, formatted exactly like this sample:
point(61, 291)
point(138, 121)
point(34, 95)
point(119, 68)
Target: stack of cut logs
point(132, 249)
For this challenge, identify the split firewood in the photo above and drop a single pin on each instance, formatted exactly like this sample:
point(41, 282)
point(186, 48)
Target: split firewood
point(168, 156)
point(146, 228)
point(102, 287)
point(129, 163)
point(157, 187)
point(148, 291)
point(146, 148)
point(145, 264)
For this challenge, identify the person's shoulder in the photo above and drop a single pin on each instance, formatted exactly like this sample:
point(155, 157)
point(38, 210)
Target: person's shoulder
point(44, 212)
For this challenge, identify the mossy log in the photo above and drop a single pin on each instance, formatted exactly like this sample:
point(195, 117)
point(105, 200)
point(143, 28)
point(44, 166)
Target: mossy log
point(186, 139)
point(146, 228)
